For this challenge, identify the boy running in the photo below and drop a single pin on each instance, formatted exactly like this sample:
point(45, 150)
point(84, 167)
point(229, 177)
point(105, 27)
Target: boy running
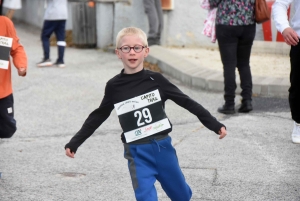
point(139, 96)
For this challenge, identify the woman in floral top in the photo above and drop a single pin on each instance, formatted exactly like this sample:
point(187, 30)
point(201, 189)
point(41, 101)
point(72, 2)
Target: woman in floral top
point(235, 30)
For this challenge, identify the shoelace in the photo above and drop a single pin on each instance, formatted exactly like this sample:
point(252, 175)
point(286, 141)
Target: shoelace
point(158, 145)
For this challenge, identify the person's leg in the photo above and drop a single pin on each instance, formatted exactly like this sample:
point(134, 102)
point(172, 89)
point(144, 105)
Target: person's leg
point(294, 91)
point(170, 175)
point(141, 165)
point(153, 20)
point(243, 64)
point(47, 30)
point(61, 44)
point(227, 41)
point(7, 121)
point(160, 20)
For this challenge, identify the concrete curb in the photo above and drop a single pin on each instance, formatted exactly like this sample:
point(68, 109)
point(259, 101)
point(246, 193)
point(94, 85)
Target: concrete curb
point(201, 77)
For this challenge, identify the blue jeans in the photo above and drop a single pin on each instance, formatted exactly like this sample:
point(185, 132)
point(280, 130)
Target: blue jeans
point(294, 91)
point(7, 121)
point(58, 27)
point(235, 43)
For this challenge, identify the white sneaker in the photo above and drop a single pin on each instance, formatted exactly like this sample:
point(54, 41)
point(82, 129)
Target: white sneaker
point(296, 133)
point(44, 63)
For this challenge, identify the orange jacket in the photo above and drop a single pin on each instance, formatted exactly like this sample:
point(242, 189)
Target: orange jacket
point(17, 53)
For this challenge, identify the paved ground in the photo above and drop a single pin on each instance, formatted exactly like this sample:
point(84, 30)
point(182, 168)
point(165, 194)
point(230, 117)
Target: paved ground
point(256, 161)
point(268, 64)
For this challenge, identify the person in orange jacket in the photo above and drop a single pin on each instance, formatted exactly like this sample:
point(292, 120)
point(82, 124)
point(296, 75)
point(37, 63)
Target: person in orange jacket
point(17, 52)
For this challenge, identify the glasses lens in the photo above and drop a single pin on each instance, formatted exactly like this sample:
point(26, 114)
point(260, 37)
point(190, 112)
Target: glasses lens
point(125, 49)
point(138, 48)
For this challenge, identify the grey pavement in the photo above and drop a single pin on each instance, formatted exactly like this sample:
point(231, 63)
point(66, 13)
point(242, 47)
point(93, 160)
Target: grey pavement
point(256, 161)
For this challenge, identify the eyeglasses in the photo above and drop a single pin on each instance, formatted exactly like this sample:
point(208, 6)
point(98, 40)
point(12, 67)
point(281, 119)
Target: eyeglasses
point(136, 48)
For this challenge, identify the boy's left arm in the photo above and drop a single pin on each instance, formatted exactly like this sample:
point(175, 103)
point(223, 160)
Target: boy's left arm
point(222, 133)
point(176, 95)
point(17, 50)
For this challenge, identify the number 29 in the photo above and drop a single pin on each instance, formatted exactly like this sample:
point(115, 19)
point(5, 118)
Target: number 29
point(145, 113)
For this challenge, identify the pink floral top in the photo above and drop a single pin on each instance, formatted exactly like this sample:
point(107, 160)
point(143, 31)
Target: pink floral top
point(234, 12)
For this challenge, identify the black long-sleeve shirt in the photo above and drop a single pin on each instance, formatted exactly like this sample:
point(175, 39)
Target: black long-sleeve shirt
point(124, 87)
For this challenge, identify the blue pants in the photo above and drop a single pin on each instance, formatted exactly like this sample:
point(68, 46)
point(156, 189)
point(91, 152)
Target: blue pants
point(153, 161)
point(7, 121)
point(58, 27)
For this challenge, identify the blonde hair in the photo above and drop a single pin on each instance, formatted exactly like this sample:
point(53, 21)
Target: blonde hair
point(132, 31)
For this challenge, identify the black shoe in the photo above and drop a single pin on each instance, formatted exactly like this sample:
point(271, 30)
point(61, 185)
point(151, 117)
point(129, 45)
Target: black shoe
point(153, 41)
point(246, 106)
point(60, 64)
point(225, 109)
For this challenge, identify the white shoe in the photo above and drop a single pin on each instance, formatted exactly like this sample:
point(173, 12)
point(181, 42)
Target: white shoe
point(44, 63)
point(296, 133)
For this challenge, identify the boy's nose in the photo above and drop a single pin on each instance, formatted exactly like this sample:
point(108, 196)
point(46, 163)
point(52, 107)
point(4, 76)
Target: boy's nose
point(131, 50)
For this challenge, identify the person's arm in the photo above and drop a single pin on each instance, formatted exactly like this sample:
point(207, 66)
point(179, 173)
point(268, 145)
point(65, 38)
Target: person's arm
point(17, 50)
point(94, 120)
point(279, 10)
point(214, 3)
point(174, 94)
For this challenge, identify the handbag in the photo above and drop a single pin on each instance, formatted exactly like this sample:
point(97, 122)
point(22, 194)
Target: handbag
point(262, 12)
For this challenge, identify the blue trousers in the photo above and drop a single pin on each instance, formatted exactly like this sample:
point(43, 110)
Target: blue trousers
point(156, 160)
point(7, 121)
point(58, 27)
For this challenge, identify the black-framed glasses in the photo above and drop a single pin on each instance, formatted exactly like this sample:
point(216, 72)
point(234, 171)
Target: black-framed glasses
point(136, 48)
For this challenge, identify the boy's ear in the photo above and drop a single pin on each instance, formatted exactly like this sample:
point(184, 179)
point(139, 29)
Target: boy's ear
point(147, 50)
point(118, 53)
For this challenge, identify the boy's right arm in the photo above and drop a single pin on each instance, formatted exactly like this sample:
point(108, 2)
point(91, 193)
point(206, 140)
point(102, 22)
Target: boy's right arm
point(69, 153)
point(94, 120)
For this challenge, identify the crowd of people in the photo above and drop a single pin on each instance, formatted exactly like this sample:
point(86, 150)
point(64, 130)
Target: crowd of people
point(235, 31)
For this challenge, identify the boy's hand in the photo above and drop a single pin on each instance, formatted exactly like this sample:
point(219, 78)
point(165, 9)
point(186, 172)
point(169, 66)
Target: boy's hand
point(222, 133)
point(69, 153)
point(22, 72)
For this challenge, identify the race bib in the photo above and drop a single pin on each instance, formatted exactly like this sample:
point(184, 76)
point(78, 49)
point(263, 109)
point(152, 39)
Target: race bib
point(5, 47)
point(142, 116)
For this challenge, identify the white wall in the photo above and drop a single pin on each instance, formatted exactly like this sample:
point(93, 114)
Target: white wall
point(182, 25)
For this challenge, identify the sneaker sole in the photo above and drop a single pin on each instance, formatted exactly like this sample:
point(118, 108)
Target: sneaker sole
point(244, 111)
point(226, 112)
point(44, 65)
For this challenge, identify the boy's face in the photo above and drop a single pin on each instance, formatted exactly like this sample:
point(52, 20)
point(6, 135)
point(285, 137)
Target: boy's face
point(132, 61)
